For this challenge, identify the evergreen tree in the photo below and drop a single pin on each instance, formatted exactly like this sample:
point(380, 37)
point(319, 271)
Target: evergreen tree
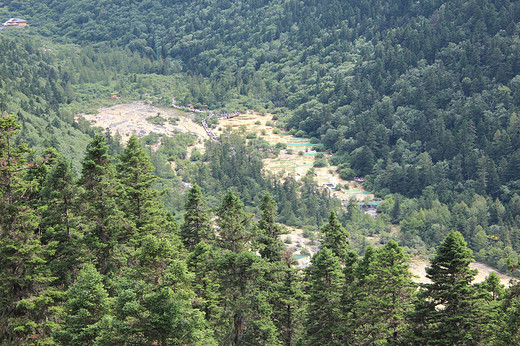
point(233, 222)
point(335, 237)
point(323, 323)
point(101, 216)
point(287, 298)
point(60, 221)
point(271, 246)
point(85, 306)
point(197, 222)
point(246, 316)
point(140, 202)
point(509, 329)
point(24, 277)
point(201, 262)
point(158, 312)
point(447, 311)
point(383, 298)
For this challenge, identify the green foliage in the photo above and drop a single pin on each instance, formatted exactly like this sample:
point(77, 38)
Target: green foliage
point(197, 224)
point(271, 246)
point(234, 224)
point(86, 304)
point(156, 120)
point(447, 310)
point(323, 311)
point(335, 237)
point(102, 217)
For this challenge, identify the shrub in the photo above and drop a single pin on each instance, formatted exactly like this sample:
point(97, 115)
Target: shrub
point(156, 120)
point(320, 163)
point(300, 133)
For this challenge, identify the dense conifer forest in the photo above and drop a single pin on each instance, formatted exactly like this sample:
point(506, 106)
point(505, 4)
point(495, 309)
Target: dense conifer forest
point(101, 242)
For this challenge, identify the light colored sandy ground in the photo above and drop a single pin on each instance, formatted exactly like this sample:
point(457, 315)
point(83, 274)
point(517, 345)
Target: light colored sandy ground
point(131, 118)
point(418, 267)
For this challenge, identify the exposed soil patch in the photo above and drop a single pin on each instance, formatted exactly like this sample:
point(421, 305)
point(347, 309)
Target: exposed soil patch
point(131, 118)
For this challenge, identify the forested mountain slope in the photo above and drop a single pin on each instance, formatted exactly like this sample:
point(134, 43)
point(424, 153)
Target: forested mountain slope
point(420, 97)
point(403, 82)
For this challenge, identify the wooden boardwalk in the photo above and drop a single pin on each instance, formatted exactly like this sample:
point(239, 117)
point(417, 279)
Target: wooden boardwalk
point(205, 121)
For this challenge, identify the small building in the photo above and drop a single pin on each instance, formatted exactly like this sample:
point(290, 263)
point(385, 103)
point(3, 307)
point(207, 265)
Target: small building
point(114, 96)
point(190, 106)
point(15, 22)
point(359, 179)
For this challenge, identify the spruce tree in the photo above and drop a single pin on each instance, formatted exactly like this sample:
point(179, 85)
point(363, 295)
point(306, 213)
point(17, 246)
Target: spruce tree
point(85, 306)
point(383, 298)
point(101, 216)
point(197, 222)
point(323, 324)
point(447, 311)
point(246, 318)
point(201, 262)
point(234, 224)
point(271, 246)
point(288, 299)
point(60, 221)
point(140, 201)
point(335, 237)
point(24, 277)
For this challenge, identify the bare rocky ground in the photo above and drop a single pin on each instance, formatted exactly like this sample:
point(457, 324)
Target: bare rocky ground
point(131, 118)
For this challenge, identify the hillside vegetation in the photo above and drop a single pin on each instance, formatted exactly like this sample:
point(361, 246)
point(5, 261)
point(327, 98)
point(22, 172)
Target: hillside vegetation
point(419, 98)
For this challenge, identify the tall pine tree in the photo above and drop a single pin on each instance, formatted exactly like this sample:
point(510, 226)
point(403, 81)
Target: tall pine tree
point(324, 320)
point(447, 311)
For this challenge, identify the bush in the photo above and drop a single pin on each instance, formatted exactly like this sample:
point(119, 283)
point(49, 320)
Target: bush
point(320, 163)
point(276, 131)
point(196, 155)
point(151, 139)
point(346, 173)
point(156, 120)
point(300, 133)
